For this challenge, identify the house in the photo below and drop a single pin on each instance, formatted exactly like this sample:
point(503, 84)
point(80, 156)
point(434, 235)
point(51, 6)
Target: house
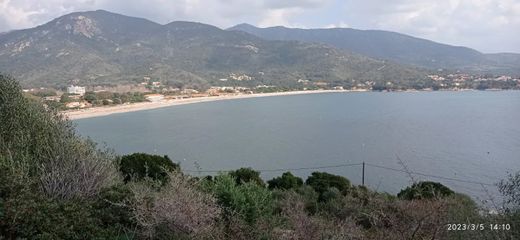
point(82, 104)
point(154, 97)
point(76, 90)
point(189, 91)
point(52, 98)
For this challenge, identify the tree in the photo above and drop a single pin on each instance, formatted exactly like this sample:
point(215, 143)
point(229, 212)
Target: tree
point(90, 97)
point(41, 146)
point(249, 200)
point(425, 190)
point(322, 181)
point(510, 188)
point(65, 98)
point(286, 181)
point(245, 175)
point(140, 165)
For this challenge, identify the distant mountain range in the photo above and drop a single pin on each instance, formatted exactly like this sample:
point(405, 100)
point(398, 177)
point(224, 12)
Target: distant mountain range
point(396, 47)
point(100, 47)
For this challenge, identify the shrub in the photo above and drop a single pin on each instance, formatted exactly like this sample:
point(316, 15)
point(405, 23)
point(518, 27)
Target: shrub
point(301, 225)
point(113, 207)
point(30, 215)
point(425, 190)
point(249, 200)
point(140, 165)
point(177, 210)
point(286, 181)
point(38, 144)
point(510, 189)
point(322, 181)
point(245, 175)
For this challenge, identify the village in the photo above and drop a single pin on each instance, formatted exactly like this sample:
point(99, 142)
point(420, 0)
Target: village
point(150, 90)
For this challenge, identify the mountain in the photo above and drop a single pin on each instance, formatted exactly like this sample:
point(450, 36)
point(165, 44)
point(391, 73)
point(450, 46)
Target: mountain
point(397, 47)
point(100, 47)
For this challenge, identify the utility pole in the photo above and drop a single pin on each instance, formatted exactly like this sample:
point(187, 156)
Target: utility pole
point(363, 175)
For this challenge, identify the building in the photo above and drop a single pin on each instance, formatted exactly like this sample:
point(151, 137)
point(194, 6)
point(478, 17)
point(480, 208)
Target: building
point(154, 97)
point(76, 90)
point(82, 104)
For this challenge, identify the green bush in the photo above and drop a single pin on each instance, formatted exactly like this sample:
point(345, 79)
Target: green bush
point(39, 145)
point(321, 182)
point(249, 200)
point(31, 215)
point(425, 190)
point(140, 165)
point(245, 175)
point(286, 181)
point(113, 208)
point(510, 189)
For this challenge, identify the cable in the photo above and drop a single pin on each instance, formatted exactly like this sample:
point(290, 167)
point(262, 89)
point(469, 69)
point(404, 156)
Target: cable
point(350, 165)
point(429, 175)
point(282, 169)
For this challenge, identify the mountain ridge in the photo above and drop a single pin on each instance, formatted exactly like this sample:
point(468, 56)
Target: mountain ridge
point(393, 46)
point(100, 47)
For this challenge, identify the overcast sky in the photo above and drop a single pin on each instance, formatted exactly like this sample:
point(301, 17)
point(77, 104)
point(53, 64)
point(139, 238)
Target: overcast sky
point(486, 25)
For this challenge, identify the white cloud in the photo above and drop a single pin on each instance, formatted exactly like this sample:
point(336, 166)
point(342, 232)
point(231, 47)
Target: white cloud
point(338, 25)
point(488, 25)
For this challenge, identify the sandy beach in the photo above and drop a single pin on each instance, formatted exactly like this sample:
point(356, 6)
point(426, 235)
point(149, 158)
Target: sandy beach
point(103, 111)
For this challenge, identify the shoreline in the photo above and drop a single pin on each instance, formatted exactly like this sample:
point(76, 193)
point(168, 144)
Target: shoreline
point(134, 107)
point(141, 106)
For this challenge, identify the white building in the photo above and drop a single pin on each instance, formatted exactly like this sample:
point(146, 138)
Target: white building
point(154, 97)
point(76, 90)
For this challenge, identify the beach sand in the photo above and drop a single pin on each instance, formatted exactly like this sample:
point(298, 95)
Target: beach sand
point(103, 111)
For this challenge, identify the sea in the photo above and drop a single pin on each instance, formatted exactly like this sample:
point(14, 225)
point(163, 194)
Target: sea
point(468, 141)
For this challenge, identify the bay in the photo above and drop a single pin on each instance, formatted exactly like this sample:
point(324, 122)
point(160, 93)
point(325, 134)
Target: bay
point(471, 136)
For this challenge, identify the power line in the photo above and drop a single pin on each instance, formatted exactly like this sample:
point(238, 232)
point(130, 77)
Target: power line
point(350, 165)
point(281, 169)
point(429, 175)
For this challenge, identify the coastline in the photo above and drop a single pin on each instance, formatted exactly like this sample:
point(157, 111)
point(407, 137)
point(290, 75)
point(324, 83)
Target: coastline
point(134, 107)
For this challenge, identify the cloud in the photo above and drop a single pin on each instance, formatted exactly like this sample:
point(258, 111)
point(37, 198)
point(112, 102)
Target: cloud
point(487, 25)
point(339, 25)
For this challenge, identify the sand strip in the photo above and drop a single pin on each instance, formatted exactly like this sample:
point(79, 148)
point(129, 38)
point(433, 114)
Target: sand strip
point(103, 111)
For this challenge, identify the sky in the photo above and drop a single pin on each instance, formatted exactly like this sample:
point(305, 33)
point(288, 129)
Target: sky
point(486, 25)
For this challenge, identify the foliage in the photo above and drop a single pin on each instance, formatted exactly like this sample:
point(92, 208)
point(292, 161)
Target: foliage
point(245, 175)
point(425, 190)
point(249, 200)
point(29, 214)
point(140, 165)
point(286, 181)
point(177, 210)
point(321, 182)
point(90, 97)
point(65, 98)
point(302, 225)
point(38, 144)
point(510, 188)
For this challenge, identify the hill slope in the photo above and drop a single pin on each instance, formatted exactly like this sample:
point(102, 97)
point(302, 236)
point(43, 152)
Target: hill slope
point(396, 47)
point(100, 47)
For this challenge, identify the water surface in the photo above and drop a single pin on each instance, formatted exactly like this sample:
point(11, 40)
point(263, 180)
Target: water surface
point(472, 136)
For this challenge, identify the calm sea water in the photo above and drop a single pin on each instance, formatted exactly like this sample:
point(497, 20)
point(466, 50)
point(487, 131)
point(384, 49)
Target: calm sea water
point(472, 136)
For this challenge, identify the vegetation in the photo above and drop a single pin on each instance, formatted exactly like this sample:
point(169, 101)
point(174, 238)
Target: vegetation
point(323, 183)
point(56, 185)
point(245, 175)
point(425, 190)
point(138, 166)
point(285, 182)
